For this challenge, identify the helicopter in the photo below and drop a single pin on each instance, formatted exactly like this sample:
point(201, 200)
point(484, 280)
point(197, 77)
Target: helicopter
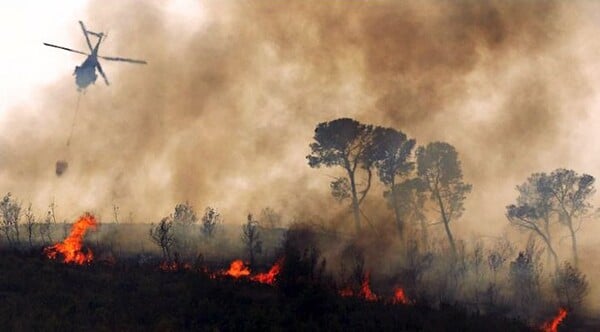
point(85, 74)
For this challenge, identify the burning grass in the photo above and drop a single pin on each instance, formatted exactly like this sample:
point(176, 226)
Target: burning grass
point(131, 297)
point(552, 325)
point(71, 247)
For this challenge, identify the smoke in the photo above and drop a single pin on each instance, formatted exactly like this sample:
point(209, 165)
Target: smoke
point(223, 113)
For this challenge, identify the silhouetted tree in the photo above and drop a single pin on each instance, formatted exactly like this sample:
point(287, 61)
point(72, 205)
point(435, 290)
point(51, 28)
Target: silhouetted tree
point(162, 235)
point(348, 144)
point(534, 209)
point(29, 223)
point(525, 278)
point(302, 264)
point(10, 211)
point(409, 202)
point(571, 195)
point(251, 238)
point(45, 228)
point(440, 170)
point(570, 285)
point(393, 150)
point(210, 220)
point(184, 218)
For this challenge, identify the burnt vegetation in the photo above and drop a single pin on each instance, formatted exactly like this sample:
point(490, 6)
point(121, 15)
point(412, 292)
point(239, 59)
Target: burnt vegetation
point(403, 267)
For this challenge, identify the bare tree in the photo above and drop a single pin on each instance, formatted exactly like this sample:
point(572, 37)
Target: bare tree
point(45, 228)
point(210, 220)
point(251, 238)
point(10, 211)
point(29, 223)
point(162, 235)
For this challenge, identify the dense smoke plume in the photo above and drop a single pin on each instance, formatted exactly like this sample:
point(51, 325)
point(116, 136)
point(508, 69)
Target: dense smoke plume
point(225, 110)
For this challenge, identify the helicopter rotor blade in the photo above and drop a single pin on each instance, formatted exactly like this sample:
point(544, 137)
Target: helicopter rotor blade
point(109, 58)
point(87, 39)
point(66, 49)
point(102, 73)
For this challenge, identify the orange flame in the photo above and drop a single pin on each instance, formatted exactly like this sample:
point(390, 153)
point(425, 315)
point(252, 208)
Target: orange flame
point(237, 269)
point(269, 277)
point(364, 292)
point(400, 297)
point(552, 326)
point(70, 248)
point(365, 289)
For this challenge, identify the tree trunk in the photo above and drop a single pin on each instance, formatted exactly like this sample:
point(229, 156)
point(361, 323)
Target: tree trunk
point(446, 224)
point(574, 244)
point(399, 221)
point(551, 250)
point(355, 207)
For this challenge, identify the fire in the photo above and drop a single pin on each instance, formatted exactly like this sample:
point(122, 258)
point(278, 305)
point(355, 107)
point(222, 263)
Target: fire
point(237, 269)
point(400, 297)
point(552, 326)
point(70, 248)
point(269, 277)
point(365, 289)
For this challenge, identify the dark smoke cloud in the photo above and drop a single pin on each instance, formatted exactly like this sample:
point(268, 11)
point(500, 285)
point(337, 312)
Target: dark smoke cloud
point(225, 110)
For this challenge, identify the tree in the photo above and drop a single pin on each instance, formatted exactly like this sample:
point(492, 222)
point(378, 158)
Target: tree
point(570, 285)
point(348, 144)
point(393, 150)
point(440, 170)
point(251, 238)
point(45, 228)
point(571, 193)
point(29, 222)
point(184, 218)
point(408, 202)
point(210, 220)
point(162, 235)
point(10, 211)
point(525, 278)
point(533, 210)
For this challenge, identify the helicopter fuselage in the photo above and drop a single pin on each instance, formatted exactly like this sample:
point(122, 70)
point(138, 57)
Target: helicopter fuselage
point(85, 74)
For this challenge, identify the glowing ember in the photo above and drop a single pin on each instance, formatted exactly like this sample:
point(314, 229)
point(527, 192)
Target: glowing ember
point(237, 269)
point(269, 277)
point(552, 326)
point(346, 292)
point(173, 266)
point(400, 297)
point(70, 248)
